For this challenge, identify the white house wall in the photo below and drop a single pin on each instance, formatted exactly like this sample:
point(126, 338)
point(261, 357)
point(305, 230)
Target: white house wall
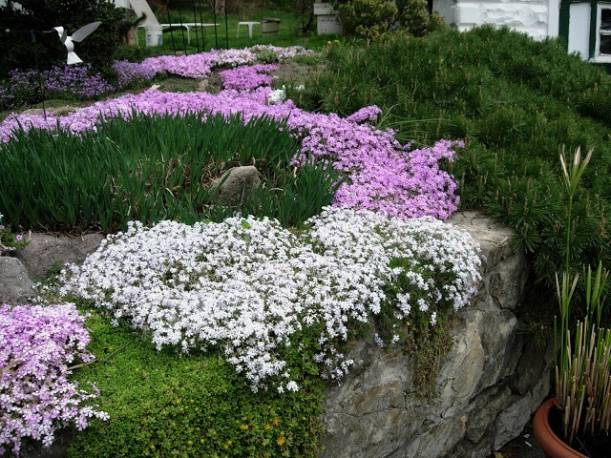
point(579, 29)
point(533, 17)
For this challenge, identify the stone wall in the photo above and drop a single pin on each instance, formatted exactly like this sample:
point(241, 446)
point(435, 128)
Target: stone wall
point(537, 18)
point(45, 254)
point(489, 384)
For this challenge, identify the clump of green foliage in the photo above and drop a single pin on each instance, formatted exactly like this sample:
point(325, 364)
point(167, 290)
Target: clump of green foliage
point(371, 18)
point(514, 101)
point(162, 404)
point(267, 57)
point(414, 17)
point(106, 178)
point(367, 18)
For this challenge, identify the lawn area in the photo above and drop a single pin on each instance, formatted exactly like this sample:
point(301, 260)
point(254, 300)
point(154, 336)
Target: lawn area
point(176, 41)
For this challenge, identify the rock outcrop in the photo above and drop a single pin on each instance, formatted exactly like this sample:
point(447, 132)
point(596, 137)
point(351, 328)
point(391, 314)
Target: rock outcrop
point(15, 284)
point(488, 386)
point(45, 252)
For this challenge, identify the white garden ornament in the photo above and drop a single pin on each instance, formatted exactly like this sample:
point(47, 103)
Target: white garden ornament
point(76, 37)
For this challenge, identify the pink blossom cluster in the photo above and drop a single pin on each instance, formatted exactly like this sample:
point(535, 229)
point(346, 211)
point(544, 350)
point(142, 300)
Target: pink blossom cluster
point(382, 174)
point(247, 77)
point(37, 346)
point(199, 65)
point(128, 72)
point(365, 114)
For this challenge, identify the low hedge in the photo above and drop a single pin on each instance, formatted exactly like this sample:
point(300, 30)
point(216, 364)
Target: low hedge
point(514, 101)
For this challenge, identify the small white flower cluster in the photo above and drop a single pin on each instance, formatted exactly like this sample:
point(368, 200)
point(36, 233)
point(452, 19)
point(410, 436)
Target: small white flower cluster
point(276, 96)
point(248, 285)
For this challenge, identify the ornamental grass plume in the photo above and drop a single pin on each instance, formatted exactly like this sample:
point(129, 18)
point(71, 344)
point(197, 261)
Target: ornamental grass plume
point(583, 365)
point(37, 346)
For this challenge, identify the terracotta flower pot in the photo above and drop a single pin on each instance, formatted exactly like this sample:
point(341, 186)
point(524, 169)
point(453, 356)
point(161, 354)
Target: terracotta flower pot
point(552, 445)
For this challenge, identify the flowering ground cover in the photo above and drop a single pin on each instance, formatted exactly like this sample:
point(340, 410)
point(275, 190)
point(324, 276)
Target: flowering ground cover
point(247, 77)
point(383, 175)
point(516, 102)
point(69, 81)
point(344, 238)
point(249, 286)
point(37, 346)
point(82, 82)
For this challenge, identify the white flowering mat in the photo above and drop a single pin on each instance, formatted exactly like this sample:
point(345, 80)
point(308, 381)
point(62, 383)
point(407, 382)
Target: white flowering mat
point(248, 286)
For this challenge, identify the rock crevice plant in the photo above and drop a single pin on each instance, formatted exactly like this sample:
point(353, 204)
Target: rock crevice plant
point(10, 241)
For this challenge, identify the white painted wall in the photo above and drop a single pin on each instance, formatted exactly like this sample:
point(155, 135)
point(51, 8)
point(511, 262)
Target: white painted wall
point(534, 17)
point(579, 29)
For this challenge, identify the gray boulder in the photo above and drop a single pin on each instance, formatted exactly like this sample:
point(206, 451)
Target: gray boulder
point(45, 252)
point(236, 184)
point(488, 385)
point(16, 287)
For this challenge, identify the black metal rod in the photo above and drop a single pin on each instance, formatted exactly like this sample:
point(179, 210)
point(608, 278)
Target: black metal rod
point(41, 83)
point(216, 33)
point(205, 43)
point(197, 29)
point(204, 31)
point(182, 32)
point(171, 31)
point(202, 19)
point(226, 31)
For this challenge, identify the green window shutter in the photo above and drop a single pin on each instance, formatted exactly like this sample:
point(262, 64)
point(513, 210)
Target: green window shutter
point(593, 26)
point(565, 15)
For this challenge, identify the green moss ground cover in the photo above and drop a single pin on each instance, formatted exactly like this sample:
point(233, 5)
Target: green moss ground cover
point(162, 404)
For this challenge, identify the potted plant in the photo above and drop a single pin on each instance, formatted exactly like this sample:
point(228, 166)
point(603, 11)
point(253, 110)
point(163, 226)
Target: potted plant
point(576, 422)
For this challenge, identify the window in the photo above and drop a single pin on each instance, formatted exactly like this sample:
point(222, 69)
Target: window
point(602, 46)
point(604, 31)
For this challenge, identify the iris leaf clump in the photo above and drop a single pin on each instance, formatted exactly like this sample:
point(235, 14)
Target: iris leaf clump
point(155, 168)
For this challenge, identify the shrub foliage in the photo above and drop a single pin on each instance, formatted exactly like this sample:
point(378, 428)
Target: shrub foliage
point(371, 18)
point(514, 101)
